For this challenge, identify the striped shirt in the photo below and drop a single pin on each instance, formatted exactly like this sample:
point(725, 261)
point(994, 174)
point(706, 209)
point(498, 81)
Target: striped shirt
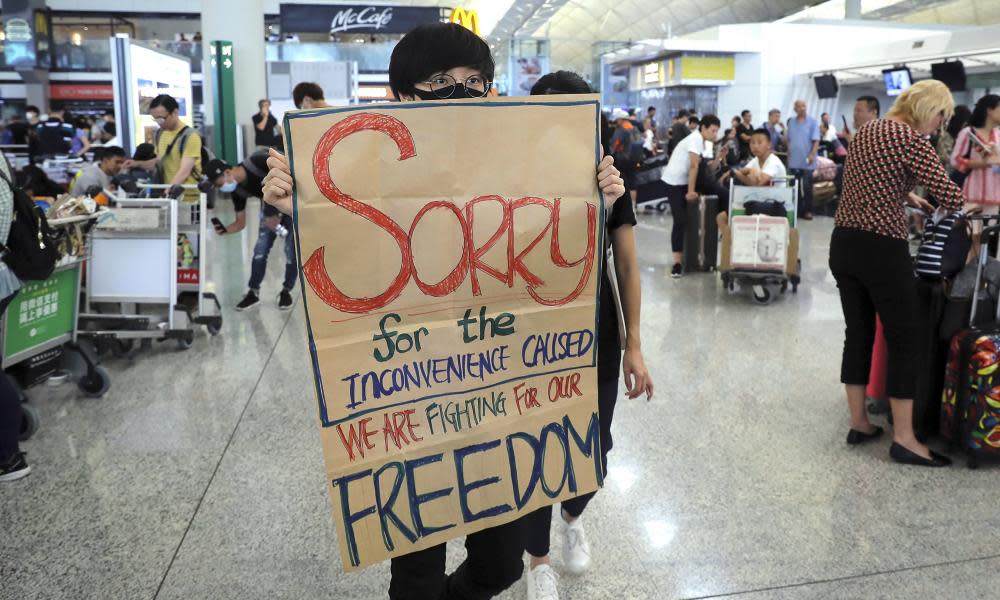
point(887, 160)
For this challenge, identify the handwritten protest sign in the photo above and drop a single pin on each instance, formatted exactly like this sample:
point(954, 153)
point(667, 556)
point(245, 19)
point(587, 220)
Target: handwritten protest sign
point(451, 256)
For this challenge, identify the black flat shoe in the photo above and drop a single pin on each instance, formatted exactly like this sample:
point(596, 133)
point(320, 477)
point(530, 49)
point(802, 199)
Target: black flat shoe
point(902, 455)
point(855, 437)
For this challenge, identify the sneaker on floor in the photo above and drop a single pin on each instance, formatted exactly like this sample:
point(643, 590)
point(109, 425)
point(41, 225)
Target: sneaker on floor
point(285, 300)
point(249, 301)
point(677, 271)
point(576, 550)
point(16, 469)
point(543, 583)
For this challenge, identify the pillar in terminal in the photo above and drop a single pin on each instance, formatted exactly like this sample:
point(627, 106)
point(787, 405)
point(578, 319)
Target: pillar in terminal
point(241, 23)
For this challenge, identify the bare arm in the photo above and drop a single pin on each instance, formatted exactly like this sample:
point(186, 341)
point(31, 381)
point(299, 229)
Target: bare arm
point(637, 378)
point(187, 165)
point(263, 122)
point(695, 160)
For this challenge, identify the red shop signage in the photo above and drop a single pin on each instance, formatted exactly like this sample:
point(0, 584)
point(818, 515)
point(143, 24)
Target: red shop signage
point(82, 91)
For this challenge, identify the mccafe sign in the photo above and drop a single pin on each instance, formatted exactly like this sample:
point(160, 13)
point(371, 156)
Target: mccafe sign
point(354, 18)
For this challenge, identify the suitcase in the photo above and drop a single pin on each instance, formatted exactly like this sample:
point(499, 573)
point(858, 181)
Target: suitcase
point(880, 364)
point(970, 402)
point(701, 239)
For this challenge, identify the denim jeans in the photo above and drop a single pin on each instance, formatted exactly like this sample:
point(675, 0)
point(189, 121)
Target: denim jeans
point(265, 240)
point(805, 177)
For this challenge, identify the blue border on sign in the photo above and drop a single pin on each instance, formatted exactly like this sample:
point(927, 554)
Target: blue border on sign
point(600, 251)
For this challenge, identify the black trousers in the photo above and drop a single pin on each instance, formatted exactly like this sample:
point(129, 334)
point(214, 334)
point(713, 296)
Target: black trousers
point(706, 185)
point(874, 274)
point(494, 563)
point(10, 408)
point(539, 522)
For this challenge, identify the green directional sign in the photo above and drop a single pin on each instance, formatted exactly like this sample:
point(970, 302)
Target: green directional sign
point(224, 101)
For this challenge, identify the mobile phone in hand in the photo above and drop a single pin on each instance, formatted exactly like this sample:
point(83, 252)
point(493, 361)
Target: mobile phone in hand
point(844, 119)
point(219, 227)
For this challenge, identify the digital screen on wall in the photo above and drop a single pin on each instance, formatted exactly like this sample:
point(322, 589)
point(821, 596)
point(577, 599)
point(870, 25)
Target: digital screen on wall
point(155, 73)
point(826, 86)
point(896, 80)
point(951, 73)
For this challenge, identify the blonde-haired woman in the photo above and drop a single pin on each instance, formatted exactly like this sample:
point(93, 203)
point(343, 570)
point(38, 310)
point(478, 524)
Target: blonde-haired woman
point(870, 258)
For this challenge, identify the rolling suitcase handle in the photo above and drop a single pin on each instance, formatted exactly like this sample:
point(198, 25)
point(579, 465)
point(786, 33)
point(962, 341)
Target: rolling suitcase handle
point(982, 259)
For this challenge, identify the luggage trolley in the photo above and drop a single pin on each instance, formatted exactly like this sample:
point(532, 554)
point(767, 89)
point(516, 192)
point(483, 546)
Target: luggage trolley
point(760, 250)
point(143, 257)
point(41, 323)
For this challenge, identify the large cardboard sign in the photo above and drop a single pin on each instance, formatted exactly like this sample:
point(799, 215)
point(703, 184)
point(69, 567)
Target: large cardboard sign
point(451, 256)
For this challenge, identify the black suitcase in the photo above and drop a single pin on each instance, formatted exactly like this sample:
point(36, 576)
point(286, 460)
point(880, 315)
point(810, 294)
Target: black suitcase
point(701, 238)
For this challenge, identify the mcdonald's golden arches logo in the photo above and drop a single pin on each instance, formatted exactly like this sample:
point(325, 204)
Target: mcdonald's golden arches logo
point(466, 18)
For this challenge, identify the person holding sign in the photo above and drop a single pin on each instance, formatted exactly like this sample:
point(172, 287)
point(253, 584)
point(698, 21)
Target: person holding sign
point(443, 61)
point(542, 579)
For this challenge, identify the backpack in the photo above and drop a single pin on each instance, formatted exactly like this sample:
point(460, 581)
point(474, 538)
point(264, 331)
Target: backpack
point(30, 250)
point(945, 246)
point(631, 150)
point(182, 138)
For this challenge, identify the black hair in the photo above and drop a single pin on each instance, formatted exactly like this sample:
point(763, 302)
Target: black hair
point(631, 112)
point(651, 109)
point(694, 120)
point(682, 114)
point(709, 120)
point(112, 152)
point(773, 111)
point(81, 123)
point(560, 82)
point(31, 108)
point(763, 132)
point(260, 103)
point(986, 103)
point(873, 104)
point(306, 88)
point(958, 120)
point(109, 113)
point(745, 112)
point(435, 48)
point(110, 129)
point(166, 101)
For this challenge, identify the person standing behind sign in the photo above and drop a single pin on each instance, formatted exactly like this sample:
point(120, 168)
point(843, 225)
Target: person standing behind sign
point(436, 62)
point(542, 579)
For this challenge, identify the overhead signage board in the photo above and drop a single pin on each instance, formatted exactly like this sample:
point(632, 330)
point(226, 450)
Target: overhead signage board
point(354, 18)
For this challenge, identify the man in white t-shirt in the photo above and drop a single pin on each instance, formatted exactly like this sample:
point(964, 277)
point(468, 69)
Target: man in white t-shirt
point(765, 168)
point(681, 177)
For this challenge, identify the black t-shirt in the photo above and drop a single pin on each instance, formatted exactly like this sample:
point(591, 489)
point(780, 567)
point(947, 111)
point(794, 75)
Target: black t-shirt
point(253, 186)
point(267, 136)
point(54, 137)
point(609, 350)
point(744, 145)
point(19, 132)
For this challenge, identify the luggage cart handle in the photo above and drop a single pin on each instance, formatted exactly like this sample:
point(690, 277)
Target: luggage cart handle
point(985, 236)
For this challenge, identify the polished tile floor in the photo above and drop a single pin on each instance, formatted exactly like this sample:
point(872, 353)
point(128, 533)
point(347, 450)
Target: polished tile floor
point(199, 476)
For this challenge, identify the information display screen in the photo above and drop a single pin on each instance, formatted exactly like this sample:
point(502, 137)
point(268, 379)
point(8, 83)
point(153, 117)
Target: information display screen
point(154, 73)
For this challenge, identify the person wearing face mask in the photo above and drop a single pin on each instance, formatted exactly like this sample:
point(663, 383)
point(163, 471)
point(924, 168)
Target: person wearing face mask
point(245, 181)
point(178, 147)
point(436, 62)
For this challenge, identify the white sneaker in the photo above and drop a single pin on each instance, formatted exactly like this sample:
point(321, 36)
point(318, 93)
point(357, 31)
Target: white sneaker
point(576, 550)
point(543, 583)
